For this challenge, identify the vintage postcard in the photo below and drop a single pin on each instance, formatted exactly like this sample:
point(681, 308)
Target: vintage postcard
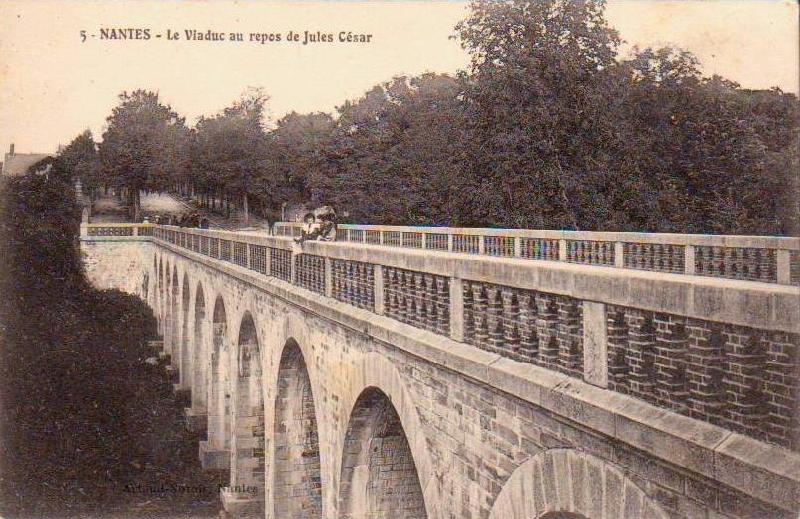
point(480, 259)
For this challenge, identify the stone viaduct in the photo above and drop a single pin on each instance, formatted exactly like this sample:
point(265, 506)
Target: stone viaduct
point(475, 373)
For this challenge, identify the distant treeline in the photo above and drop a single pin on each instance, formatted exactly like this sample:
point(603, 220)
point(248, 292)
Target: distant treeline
point(550, 128)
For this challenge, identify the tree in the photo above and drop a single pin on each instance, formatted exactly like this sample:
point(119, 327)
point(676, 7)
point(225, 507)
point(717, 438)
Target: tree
point(229, 149)
point(394, 155)
point(721, 154)
point(141, 147)
point(561, 133)
point(295, 151)
point(539, 128)
point(80, 159)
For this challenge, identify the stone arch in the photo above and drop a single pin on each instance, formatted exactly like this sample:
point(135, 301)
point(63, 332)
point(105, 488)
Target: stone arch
point(247, 442)
point(219, 387)
point(185, 369)
point(297, 479)
point(375, 370)
point(198, 348)
point(567, 483)
point(378, 478)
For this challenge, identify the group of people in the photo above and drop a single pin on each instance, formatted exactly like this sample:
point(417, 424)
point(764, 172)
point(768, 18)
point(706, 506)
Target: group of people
point(319, 225)
point(182, 220)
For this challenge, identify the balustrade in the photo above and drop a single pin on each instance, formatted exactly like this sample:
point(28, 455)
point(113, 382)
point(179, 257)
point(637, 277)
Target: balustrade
point(750, 258)
point(258, 258)
point(737, 377)
point(736, 263)
point(280, 263)
point(417, 298)
point(353, 282)
point(738, 372)
point(110, 231)
point(310, 272)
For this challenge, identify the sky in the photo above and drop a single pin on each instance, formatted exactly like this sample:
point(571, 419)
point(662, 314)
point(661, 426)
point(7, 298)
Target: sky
point(53, 85)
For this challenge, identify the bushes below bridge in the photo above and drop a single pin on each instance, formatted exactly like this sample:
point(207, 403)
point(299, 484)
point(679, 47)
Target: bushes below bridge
point(75, 389)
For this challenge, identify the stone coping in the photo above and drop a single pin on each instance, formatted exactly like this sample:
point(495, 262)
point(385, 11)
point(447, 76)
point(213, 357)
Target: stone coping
point(767, 472)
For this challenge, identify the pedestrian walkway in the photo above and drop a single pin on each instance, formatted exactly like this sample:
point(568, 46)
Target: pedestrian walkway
point(108, 209)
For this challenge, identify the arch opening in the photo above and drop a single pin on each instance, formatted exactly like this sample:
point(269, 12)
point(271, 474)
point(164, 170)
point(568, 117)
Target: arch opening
point(153, 283)
point(219, 388)
point(378, 478)
point(186, 372)
point(198, 347)
point(146, 292)
point(167, 308)
point(174, 318)
point(247, 448)
point(297, 482)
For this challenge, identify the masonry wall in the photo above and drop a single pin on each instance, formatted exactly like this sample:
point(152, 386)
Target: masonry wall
point(467, 437)
point(119, 264)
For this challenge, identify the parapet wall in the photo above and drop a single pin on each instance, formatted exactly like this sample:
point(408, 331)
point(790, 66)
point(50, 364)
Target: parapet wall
point(715, 349)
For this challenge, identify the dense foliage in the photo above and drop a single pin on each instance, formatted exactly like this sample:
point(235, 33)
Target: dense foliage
point(550, 127)
point(143, 145)
point(71, 357)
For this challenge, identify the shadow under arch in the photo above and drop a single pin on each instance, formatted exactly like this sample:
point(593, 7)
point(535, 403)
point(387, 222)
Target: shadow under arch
point(571, 484)
point(152, 296)
point(174, 318)
point(198, 351)
point(185, 371)
point(160, 297)
point(219, 387)
point(167, 310)
point(378, 477)
point(297, 479)
point(167, 306)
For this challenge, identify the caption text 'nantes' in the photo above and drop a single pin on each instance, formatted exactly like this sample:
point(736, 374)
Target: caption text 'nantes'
point(304, 37)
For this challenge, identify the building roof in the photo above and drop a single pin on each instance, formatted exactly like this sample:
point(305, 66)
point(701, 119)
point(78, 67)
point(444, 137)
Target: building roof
point(18, 163)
